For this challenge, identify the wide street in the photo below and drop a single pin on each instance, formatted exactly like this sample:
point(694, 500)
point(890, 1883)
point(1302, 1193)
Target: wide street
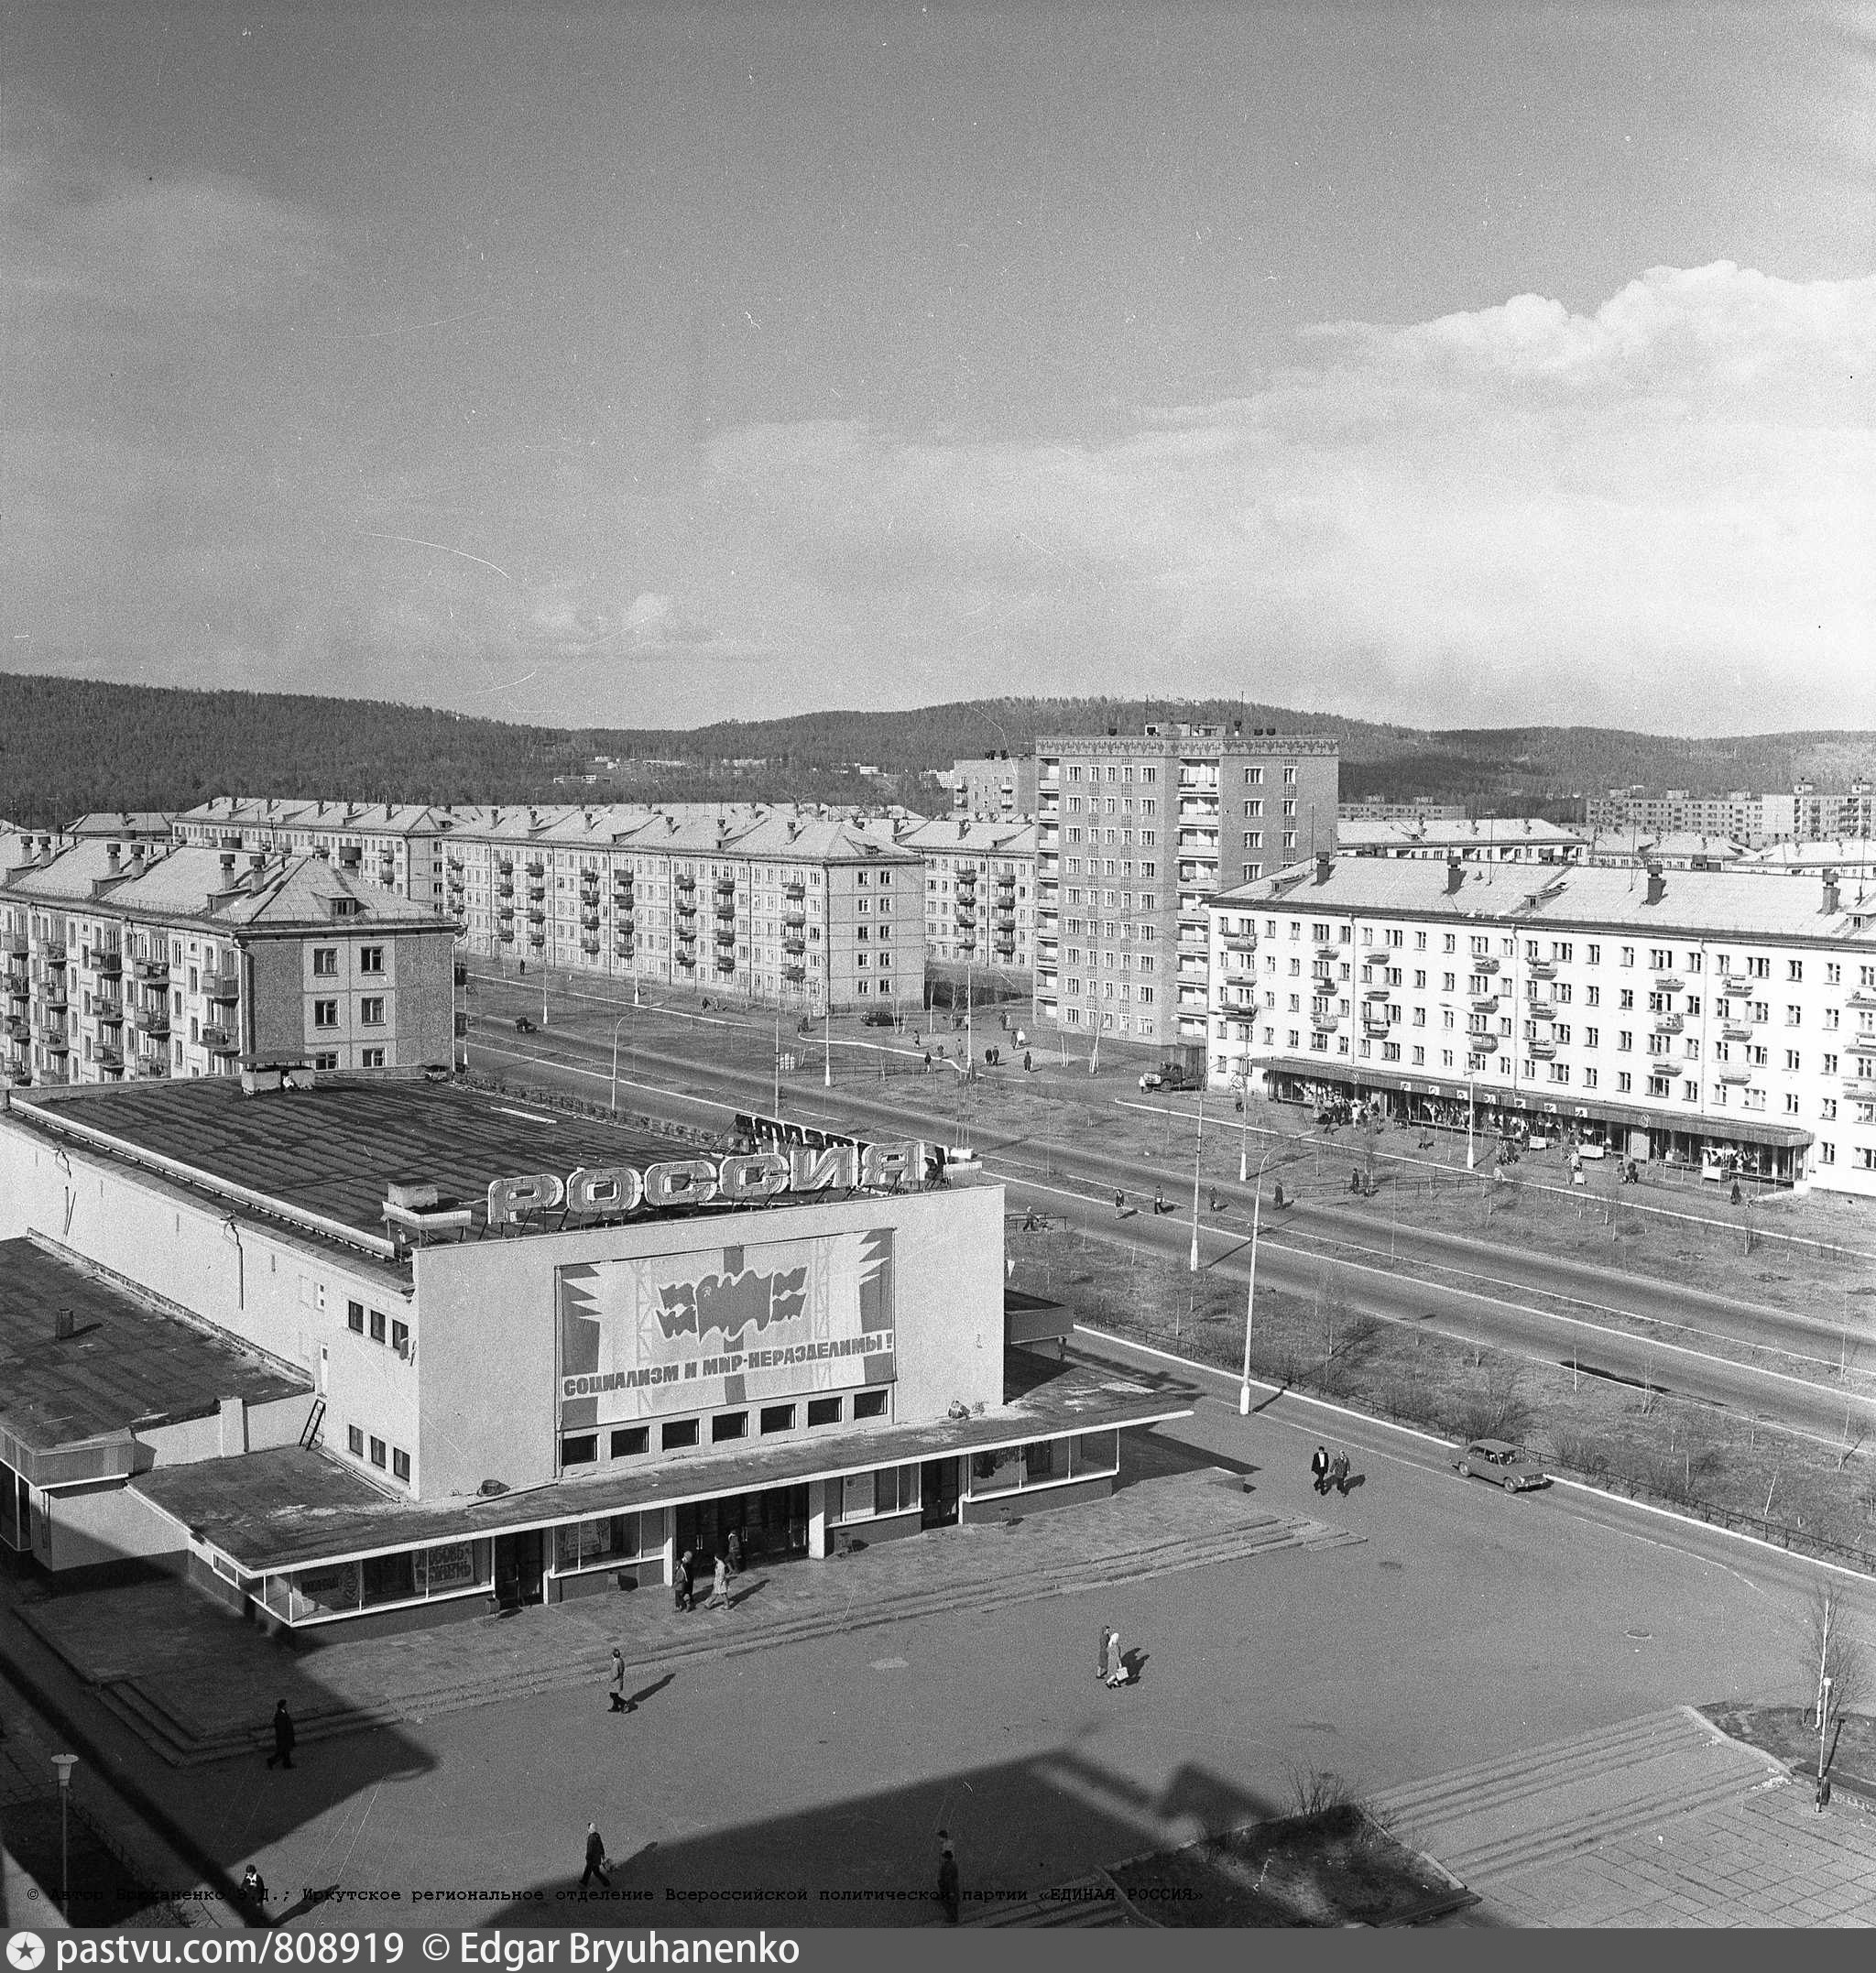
point(1464, 1624)
point(1782, 1366)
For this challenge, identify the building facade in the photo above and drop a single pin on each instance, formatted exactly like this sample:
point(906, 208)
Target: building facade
point(1134, 834)
point(1483, 839)
point(1695, 1017)
point(465, 1356)
point(980, 892)
point(997, 788)
point(1804, 815)
point(140, 962)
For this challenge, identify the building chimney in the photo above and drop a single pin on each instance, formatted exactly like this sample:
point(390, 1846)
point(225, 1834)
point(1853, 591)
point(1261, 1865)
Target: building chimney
point(1455, 874)
point(1324, 863)
point(63, 1325)
point(227, 869)
point(1657, 884)
point(114, 852)
point(1831, 893)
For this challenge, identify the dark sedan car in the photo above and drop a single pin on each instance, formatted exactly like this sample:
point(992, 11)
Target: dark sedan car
point(1509, 1466)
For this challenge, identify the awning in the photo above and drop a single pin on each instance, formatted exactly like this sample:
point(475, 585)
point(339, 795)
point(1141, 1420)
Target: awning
point(1352, 1078)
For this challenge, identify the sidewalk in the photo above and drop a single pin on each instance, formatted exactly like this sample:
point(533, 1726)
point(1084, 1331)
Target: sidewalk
point(1658, 1821)
point(197, 1684)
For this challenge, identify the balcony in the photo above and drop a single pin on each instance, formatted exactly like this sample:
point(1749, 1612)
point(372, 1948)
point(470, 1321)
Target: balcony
point(1735, 983)
point(535, 867)
point(684, 909)
point(795, 892)
point(218, 1039)
point(1485, 1003)
point(19, 987)
point(55, 1042)
point(1731, 1072)
point(794, 945)
point(1668, 983)
point(589, 947)
point(152, 972)
point(153, 1020)
point(726, 911)
point(225, 987)
point(1541, 969)
point(1855, 1088)
point(1375, 993)
point(150, 1066)
point(1542, 1051)
point(625, 948)
point(506, 933)
point(589, 920)
point(55, 999)
point(1736, 1031)
point(537, 893)
point(108, 965)
point(14, 945)
point(1482, 1044)
point(506, 889)
point(1483, 966)
point(56, 955)
point(111, 1059)
point(537, 914)
point(506, 912)
point(1669, 1024)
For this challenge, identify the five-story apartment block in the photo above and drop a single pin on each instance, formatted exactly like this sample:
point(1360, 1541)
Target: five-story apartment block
point(1135, 834)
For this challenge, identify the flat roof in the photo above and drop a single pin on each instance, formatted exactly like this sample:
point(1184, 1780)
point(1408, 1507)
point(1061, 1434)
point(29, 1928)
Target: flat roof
point(291, 1509)
point(124, 1363)
point(332, 1149)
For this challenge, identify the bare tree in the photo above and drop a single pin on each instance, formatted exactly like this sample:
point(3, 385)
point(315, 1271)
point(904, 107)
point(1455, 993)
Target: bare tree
point(1834, 1652)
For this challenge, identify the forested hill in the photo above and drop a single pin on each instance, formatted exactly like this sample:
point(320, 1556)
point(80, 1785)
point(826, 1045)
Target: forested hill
point(69, 746)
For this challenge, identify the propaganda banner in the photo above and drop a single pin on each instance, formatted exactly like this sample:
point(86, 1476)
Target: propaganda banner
point(707, 1331)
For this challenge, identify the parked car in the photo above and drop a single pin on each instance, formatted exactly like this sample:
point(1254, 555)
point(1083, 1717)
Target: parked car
point(1509, 1466)
point(877, 1017)
point(523, 1025)
point(1169, 1076)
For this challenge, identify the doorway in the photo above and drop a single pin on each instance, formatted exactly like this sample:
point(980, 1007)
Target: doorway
point(938, 1489)
point(519, 1560)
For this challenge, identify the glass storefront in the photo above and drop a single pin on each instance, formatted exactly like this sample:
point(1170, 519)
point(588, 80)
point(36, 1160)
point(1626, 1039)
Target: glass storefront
point(772, 1525)
point(410, 1575)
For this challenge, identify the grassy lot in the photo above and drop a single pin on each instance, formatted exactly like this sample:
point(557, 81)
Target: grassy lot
point(1693, 1455)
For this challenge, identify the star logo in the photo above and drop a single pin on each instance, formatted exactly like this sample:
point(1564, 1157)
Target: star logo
point(26, 1950)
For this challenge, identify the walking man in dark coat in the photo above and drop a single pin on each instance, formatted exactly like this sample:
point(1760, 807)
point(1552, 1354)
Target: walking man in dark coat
point(596, 1858)
point(283, 1735)
point(1319, 1469)
point(1338, 1473)
point(254, 1891)
point(616, 1684)
point(947, 1877)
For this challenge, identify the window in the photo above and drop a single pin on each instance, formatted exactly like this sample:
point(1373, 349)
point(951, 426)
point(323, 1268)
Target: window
point(1795, 969)
point(371, 958)
point(371, 1058)
point(325, 962)
point(325, 1013)
point(778, 1418)
point(371, 1010)
point(895, 1489)
point(400, 1465)
point(400, 1337)
point(377, 1326)
point(579, 1449)
point(378, 1452)
point(354, 1441)
point(354, 1317)
point(729, 1426)
point(679, 1433)
point(328, 1061)
point(629, 1441)
point(824, 1412)
point(869, 1404)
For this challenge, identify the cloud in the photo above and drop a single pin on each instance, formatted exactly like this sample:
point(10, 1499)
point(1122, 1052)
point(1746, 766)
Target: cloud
point(1663, 513)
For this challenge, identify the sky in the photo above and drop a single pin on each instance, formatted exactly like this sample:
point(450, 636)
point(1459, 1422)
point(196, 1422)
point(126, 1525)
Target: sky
point(1458, 365)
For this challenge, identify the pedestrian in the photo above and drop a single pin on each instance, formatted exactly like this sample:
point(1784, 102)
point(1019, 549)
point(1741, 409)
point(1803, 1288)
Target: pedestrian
point(928, 1061)
point(947, 1877)
point(1120, 1201)
point(682, 1585)
point(254, 1891)
point(734, 1549)
point(1319, 1469)
point(1736, 1191)
point(1117, 1664)
point(597, 1862)
point(283, 1735)
point(1338, 1473)
point(1277, 1193)
point(619, 1681)
point(1026, 1062)
point(719, 1586)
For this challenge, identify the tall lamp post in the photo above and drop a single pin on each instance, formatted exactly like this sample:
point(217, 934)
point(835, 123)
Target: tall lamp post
point(1197, 1151)
point(827, 1041)
point(1241, 1082)
point(65, 1764)
point(1257, 1200)
point(615, 1027)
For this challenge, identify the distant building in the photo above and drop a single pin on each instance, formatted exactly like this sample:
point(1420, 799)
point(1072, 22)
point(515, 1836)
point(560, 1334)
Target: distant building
point(137, 961)
point(1679, 849)
point(1378, 808)
point(996, 788)
point(128, 825)
point(980, 891)
point(1135, 832)
point(1488, 839)
point(1802, 816)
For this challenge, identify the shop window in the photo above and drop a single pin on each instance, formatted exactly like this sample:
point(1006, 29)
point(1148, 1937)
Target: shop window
point(390, 1578)
point(679, 1433)
point(824, 1412)
point(857, 1496)
point(1093, 1453)
point(354, 1317)
point(869, 1404)
point(579, 1448)
point(778, 1418)
point(377, 1326)
point(378, 1452)
point(997, 1472)
point(629, 1441)
point(729, 1426)
point(1039, 1462)
point(354, 1441)
point(596, 1544)
point(895, 1489)
point(400, 1465)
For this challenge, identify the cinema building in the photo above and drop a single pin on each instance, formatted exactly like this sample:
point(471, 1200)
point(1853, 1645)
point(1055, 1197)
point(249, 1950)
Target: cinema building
point(390, 1351)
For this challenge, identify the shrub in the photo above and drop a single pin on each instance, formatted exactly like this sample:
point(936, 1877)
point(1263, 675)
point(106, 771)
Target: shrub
point(1582, 1452)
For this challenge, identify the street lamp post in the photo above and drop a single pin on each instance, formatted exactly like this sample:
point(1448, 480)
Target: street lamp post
point(615, 1027)
point(778, 1065)
point(827, 1041)
point(1823, 1716)
point(1257, 1200)
point(1197, 1151)
point(1471, 1108)
point(64, 1763)
point(1243, 1080)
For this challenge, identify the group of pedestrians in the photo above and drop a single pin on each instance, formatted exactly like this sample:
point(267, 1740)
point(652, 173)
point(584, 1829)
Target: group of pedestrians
point(729, 1563)
point(1324, 1472)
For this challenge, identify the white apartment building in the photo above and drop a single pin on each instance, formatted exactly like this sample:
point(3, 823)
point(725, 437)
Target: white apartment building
point(1480, 839)
point(1134, 834)
point(1683, 1016)
point(1803, 815)
point(980, 891)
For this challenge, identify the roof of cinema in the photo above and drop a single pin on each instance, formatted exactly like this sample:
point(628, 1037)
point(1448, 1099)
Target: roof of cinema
point(329, 1151)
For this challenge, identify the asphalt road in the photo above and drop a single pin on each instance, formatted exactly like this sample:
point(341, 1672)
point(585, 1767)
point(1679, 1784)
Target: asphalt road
point(1500, 1310)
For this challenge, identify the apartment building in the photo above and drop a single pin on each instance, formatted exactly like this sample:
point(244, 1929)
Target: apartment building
point(980, 891)
point(1378, 808)
point(996, 788)
point(136, 961)
point(759, 905)
point(1481, 839)
point(396, 845)
point(1695, 1017)
point(1134, 834)
point(1804, 815)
